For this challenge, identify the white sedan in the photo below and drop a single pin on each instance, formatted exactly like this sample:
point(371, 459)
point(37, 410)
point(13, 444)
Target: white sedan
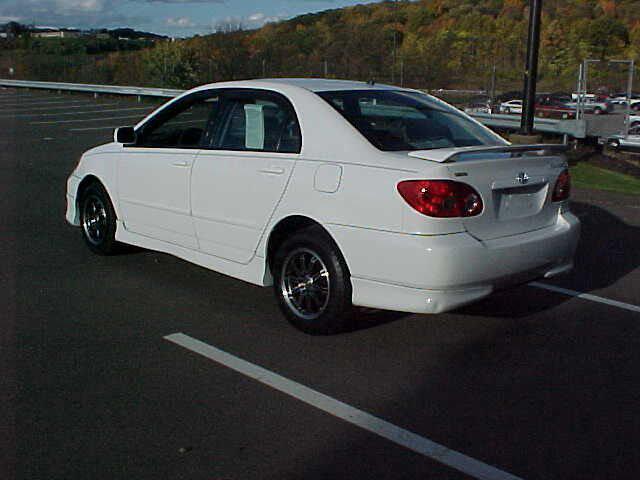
point(337, 193)
point(512, 106)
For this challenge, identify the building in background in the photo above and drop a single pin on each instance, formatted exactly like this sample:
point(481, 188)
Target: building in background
point(57, 34)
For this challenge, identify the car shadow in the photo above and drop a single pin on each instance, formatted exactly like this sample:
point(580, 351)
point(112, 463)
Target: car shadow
point(609, 249)
point(365, 318)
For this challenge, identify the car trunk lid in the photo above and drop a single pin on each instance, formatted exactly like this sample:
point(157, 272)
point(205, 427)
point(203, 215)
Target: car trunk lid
point(515, 184)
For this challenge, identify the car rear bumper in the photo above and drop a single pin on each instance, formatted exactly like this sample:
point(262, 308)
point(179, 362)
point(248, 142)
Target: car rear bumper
point(432, 274)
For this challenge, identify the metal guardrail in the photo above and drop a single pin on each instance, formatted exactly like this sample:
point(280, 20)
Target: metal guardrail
point(573, 128)
point(96, 89)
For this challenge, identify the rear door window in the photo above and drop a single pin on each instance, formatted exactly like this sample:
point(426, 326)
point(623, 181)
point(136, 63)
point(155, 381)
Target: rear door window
point(257, 121)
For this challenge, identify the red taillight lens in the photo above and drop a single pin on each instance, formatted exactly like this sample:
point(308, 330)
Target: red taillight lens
point(562, 190)
point(441, 198)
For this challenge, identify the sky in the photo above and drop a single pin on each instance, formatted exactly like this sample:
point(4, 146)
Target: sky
point(179, 18)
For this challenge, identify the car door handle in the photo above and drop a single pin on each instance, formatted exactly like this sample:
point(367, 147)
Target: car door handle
point(181, 164)
point(272, 170)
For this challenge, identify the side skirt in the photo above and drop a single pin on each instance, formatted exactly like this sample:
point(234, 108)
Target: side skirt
point(252, 272)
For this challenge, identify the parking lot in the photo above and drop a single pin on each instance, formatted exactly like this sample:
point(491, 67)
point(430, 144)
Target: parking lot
point(538, 382)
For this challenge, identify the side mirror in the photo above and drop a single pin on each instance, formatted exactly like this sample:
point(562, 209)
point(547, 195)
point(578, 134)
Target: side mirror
point(125, 135)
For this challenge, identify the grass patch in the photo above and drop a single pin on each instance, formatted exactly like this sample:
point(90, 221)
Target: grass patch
point(584, 175)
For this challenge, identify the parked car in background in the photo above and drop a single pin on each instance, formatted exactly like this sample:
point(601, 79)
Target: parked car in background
point(621, 98)
point(631, 141)
point(512, 106)
point(479, 106)
point(549, 107)
point(594, 104)
point(335, 193)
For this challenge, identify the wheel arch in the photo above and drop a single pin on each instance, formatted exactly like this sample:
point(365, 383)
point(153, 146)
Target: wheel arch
point(286, 227)
point(90, 179)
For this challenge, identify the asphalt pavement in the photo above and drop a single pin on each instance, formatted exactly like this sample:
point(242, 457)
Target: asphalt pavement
point(533, 383)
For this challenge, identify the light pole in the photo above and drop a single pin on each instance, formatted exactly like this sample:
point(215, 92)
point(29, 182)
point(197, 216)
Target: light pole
point(395, 43)
point(632, 66)
point(531, 73)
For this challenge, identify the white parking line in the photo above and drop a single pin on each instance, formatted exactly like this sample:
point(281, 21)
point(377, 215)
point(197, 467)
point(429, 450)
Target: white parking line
point(93, 128)
point(26, 108)
point(56, 102)
point(64, 107)
point(85, 120)
point(586, 296)
point(352, 415)
point(21, 99)
point(75, 113)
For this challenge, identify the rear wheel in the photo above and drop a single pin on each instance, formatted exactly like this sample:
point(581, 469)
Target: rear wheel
point(312, 283)
point(98, 220)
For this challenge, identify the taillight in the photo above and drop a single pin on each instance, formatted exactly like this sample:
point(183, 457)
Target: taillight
point(562, 190)
point(441, 198)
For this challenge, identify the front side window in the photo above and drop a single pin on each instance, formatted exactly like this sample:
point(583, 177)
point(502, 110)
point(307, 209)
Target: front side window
point(257, 122)
point(181, 126)
point(400, 120)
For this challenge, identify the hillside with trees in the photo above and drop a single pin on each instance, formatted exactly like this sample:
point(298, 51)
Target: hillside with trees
point(426, 44)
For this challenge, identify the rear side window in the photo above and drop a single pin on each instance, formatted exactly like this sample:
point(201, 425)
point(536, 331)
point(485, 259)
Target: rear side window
point(400, 120)
point(257, 121)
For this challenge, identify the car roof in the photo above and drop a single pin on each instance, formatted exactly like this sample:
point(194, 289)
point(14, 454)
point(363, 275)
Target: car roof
point(311, 84)
point(324, 84)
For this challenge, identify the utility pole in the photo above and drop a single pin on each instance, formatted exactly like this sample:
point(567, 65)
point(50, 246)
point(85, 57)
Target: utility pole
point(531, 73)
point(492, 91)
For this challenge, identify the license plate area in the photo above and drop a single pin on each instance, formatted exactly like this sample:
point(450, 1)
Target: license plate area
point(520, 202)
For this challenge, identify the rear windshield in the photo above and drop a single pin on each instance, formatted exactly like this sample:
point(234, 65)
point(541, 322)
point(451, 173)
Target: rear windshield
point(399, 120)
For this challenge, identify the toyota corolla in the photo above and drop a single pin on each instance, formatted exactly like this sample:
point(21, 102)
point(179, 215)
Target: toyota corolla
point(337, 193)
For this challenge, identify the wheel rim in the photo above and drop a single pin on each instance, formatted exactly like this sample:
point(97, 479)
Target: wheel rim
point(94, 219)
point(305, 283)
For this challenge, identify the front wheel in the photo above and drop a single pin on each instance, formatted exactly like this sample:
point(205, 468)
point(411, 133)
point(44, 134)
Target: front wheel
point(312, 283)
point(98, 220)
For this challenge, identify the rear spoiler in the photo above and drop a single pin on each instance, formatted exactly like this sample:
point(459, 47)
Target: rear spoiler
point(450, 155)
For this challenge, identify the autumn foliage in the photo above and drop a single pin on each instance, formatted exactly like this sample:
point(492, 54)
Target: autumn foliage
point(427, 44)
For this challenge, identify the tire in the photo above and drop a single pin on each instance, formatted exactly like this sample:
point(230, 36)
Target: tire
point(507, 111)
point(312, 283)
point(615, 144)
point(597, 111)
point(98, 220)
